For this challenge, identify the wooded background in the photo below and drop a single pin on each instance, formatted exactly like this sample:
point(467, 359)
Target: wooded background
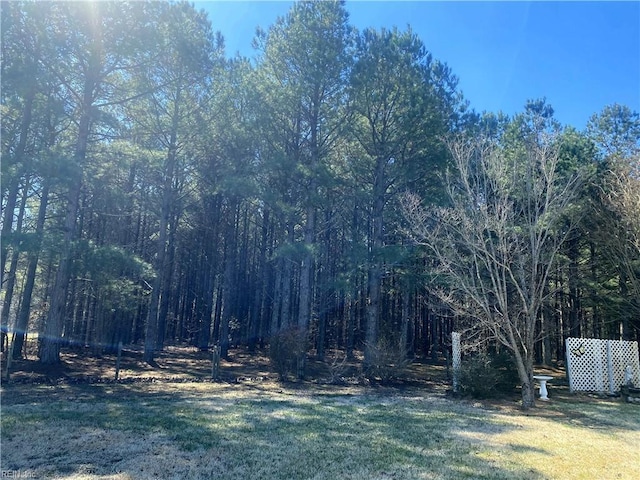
point(155, 191)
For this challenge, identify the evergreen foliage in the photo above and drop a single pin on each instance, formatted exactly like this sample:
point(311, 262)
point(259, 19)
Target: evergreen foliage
point(155, 191)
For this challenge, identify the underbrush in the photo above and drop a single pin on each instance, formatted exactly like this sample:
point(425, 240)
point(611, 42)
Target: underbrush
point(485, 375)
point(388, 361)
point(287, 350)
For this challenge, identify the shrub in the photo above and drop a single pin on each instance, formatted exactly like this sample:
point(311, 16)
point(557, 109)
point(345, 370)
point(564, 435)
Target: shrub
point(338, 367)
point(487, 375)
point(287, 350)
point(388, 360)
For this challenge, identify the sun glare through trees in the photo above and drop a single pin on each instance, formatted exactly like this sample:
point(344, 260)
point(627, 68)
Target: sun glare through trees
point(334, 193)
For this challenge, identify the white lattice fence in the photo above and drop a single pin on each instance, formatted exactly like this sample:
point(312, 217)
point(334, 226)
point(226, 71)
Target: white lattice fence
point(599, 365)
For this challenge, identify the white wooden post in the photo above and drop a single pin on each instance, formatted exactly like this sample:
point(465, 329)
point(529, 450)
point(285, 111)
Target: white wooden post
point(570, 372)
point(599, 366)
point(612, 380)
point(215, 363)
point(457, 360)
point(118, 360)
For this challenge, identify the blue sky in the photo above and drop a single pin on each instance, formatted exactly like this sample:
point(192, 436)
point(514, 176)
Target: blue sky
point(581, 56)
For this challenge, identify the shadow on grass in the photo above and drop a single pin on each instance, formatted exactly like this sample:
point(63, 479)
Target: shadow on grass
point(263, 430)
point(593, 412)
point(230, 432)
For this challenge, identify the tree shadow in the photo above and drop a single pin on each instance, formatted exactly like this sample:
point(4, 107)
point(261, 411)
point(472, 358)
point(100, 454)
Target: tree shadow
point(281, 434)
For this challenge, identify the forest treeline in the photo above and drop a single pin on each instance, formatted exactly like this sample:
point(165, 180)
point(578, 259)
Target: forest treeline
point(156, 191)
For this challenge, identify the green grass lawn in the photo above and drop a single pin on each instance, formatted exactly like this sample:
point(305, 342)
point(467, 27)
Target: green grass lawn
point(266, 431)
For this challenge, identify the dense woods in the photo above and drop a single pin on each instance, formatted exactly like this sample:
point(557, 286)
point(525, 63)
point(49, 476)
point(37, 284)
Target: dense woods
point(155, 191)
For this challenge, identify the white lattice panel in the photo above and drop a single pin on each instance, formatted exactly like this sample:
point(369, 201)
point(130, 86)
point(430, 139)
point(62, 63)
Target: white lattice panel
point(599, 365)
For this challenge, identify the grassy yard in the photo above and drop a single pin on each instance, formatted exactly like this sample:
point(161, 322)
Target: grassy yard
point(262, 430)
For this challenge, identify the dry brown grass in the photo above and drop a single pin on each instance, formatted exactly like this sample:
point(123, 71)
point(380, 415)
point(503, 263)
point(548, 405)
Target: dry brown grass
point(172, 422)
point(266, 430)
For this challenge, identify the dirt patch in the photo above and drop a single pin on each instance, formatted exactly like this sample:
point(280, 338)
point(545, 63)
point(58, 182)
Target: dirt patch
point(181, 363)
point(188, 364)
point(174, 363)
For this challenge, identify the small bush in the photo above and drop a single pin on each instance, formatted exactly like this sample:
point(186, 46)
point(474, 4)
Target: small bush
point(388, 361)
point(338, 367)
point(287, 350)
point(487, 375)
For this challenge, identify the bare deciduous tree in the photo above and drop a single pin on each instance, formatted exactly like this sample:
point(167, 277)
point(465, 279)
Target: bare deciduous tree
point(622, 199)
point(498, 238)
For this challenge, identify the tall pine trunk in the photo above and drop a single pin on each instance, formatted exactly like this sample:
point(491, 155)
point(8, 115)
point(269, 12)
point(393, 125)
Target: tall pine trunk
point(151, 329)
point(22, 322)
point(19, 157)
point(153, 320)
point(165, 294)
point(52, 333)
point(15, 256)
point(228, 281)
point(375, 263)
point(306, 271)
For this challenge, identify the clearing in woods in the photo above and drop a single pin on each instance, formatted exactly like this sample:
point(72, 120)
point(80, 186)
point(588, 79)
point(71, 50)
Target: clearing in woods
point(75, 422)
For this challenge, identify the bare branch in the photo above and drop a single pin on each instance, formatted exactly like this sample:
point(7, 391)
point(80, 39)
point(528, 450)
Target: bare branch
point(497, 240)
